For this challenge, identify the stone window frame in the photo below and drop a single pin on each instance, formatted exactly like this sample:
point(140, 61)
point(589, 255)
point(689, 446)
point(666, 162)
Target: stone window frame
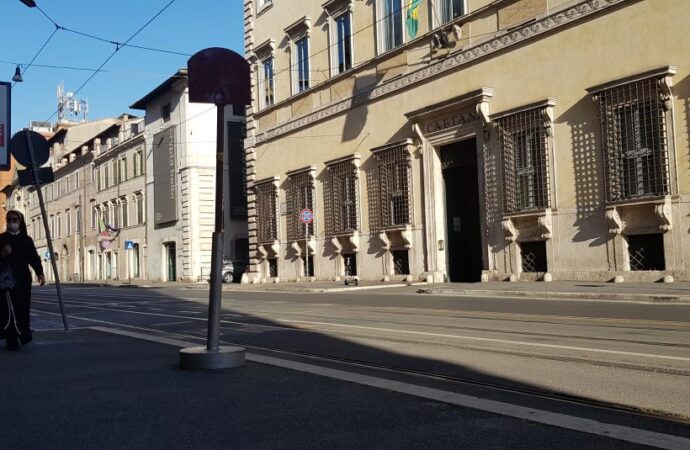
point(261, 54)
point(522, 119)
point(379, 21)
point(395, 153)
point(334, 10)
point(296, 31)
point(635, 90)
point(298, 180)
point(435, 9)
point(347, 164)
point(267, 187)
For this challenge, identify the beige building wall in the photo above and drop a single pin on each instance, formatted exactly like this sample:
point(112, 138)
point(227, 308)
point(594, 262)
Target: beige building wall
point(501, 61)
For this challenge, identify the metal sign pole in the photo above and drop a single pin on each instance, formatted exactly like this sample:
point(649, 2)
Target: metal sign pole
point(306, 248)
point(37, 183)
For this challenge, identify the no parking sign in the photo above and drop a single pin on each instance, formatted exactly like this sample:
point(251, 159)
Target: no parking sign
point(306, 216)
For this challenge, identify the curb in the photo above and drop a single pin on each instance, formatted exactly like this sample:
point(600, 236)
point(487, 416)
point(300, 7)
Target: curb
point(654, 298)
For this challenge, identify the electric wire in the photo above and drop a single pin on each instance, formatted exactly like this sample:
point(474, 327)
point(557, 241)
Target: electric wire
point(38, 53)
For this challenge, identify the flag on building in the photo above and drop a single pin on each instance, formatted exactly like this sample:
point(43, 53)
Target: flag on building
point(413, 18)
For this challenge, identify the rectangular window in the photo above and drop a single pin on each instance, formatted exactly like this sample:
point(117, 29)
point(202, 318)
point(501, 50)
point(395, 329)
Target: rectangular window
point(68, 185)
point(646, 252)
point(341, 198)
point(123, 169)
point(302, 63)
point(138, 163)
point(343, 47)
point(77, 218)
point(391, 24)
point(533, 256)
point(116, 172)
point(394, 186)
point(300, 195)
point(139, 200)
point(165, 112)
point(267, 84)
point(94, 173)
point(634, 129)
point(76, 180)
point(106, 175)
point(58, 225)
point(523, 142)
point(450, 9)
point(68, 222)
point(94, 215)
point(125, 212)
point(266, 209)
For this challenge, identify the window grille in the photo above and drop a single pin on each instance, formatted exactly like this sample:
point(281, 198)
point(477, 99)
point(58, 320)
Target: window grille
point(401, 262)
point(533, 255)
point(646, 252)
point(524, 149)
point(634, 133)
point(342, 198)
point(395, 186)
point(300, 196)
point(266, 206)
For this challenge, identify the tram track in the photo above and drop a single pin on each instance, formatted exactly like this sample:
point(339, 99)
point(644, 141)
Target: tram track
point(391, 369)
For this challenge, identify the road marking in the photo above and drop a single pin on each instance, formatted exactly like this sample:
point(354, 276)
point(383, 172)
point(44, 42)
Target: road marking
point(583, 425)
point(502, 341)
point(391, 330)
point(167, 324)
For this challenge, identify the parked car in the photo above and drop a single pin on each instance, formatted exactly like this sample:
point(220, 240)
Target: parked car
point(232, 270)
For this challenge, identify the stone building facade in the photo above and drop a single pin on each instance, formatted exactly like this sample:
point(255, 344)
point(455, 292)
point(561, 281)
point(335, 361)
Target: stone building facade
point(467, 140)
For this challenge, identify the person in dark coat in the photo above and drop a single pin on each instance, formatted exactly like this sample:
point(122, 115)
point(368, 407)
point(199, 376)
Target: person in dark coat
point(17, 254)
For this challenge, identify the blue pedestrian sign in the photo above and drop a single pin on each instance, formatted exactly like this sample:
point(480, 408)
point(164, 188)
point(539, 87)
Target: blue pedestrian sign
point(129, 245)
point(47, 255)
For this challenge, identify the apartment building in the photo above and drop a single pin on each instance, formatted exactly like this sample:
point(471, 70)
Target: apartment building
point(467, 140)
point(181, 162)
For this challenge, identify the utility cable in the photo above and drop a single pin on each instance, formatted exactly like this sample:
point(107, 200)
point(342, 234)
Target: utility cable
point(117, 49)
point(38, 53)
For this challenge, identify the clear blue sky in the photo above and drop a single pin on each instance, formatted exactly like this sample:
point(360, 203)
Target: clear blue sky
point(187, 26)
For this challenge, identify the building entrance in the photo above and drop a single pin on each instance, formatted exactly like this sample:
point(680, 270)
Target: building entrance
point(171, 254)
point(464, 243)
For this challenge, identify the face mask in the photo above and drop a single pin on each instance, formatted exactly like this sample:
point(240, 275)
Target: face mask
point(13, 226)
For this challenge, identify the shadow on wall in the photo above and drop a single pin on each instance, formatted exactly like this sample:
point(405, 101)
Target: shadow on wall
point(370, 169)
point(356, 118)
point(582, 119)
point(682, 91)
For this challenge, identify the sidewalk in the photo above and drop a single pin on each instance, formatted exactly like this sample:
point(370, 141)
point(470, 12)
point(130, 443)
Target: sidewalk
point(678, 292)
point(88, 389)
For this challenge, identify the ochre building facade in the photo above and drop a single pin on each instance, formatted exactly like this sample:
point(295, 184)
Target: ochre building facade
point(451, 140)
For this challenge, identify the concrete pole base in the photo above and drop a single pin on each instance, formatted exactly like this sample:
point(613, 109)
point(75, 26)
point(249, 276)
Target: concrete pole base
point(200, 358)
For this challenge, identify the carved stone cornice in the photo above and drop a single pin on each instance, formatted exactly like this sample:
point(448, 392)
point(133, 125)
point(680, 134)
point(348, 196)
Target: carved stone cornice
point(462, 58)
point(509, 230)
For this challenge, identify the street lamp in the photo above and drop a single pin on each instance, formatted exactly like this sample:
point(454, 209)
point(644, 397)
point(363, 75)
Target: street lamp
point(17, 78)
point(29, 3)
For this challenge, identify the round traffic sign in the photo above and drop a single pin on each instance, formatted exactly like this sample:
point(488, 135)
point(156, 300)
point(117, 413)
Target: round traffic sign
point(20, 149)
point(306, 216)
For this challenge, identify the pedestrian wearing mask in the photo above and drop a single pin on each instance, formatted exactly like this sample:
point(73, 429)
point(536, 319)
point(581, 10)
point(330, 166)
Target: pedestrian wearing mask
point(17, 254)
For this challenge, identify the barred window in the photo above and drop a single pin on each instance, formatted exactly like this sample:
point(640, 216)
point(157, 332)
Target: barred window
point(341, 198)
point(300, 195)
point(266, 206)
point(524, 149)
point(395, 186)
point(633, 119)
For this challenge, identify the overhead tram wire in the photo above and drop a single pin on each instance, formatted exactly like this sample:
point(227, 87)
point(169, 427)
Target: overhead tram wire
point(49, 66)
point(117, 49)
point(38, 53)
point(108, 41)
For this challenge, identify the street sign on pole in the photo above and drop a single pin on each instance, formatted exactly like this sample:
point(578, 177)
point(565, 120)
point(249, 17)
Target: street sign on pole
point(306, 216)
point(129, 245)
point(222, 77)
point(24, 141)
point(21, 151)
point(5, 124)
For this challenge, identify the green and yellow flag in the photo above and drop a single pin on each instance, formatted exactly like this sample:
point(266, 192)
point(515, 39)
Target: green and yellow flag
point(413, 18)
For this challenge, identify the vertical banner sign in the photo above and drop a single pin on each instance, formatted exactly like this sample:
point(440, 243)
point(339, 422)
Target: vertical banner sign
point(165, 176)
point(413, 18)
point(5, 131)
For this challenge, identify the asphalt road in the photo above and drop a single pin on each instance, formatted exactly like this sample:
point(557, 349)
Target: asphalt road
point(612, 353)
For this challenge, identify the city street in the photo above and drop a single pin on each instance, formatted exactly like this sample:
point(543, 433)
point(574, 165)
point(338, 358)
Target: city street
point(620, 362)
